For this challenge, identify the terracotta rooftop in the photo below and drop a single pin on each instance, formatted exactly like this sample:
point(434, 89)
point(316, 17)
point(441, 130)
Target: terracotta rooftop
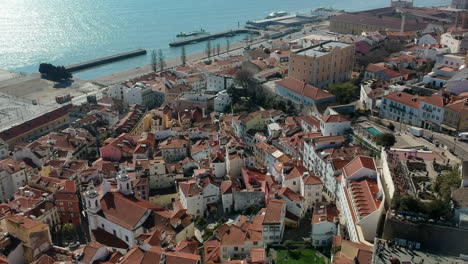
point(404, 98)
point(274, 212)
point(364, 196)
point(304, 89)
point(324, 213)
point(334, 119)
point(384, 22)
point(290, 194)
point(311, 180)
point(34, 123)
point(126, 211)
point(358, 163)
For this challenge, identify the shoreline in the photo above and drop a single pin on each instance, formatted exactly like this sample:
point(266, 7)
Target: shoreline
point(235, 48)
point(119, 77)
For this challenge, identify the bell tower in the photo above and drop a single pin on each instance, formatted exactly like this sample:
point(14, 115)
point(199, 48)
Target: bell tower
point(124, 183)
point(93, 205)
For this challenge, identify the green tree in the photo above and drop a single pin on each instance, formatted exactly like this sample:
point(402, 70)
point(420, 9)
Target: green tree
point(208, 49)
point(345, 92)
point(54, 73)
point(183, 56)
point(162, 60)
point(154, 60)
point(218, 49)
point(446, 182)
point(385, 139)
point(227, 44)
point(244, 78)
point(69, 231)
point(201, 222)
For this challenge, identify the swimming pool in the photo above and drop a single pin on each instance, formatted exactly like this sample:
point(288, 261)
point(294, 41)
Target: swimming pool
point(373, 131)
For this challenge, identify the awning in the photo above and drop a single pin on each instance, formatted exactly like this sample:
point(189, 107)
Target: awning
point(447, 127)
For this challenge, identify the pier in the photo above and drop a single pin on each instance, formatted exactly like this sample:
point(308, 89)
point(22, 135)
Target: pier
point(228, 33)
point(105, 60)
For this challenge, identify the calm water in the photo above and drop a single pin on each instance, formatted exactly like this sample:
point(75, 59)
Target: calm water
point(70, 31)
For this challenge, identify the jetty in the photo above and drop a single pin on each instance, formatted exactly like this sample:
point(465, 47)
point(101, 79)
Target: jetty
point(105, 60)
point(227, 33)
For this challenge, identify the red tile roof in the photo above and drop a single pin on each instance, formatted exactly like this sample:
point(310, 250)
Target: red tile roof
point(374, 68)
point(364, 196)
point(384, 22)
point(304, 89)
point(324, 213)
point(391, 73)
point(34, 123)
point(458, 106)
point(404, 98)
point(126, 211)
point(358, 163)
point(334, 119)
point(436, 100)
point(311, 180)
point(290, 194)
point(274, 211)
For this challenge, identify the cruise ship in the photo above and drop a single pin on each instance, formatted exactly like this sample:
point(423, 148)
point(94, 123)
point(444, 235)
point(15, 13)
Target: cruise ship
point(277, 14)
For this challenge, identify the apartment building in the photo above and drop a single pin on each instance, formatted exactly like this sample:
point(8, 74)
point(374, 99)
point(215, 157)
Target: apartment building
point(323, 64)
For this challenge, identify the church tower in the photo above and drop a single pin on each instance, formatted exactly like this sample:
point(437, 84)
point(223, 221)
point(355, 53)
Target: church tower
point(124, 183)
point(93, 205)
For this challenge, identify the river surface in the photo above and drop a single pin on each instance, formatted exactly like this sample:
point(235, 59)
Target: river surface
point(65, 32)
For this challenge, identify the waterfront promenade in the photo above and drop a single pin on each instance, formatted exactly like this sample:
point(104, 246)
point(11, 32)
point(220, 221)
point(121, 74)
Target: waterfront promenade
point(235, 48)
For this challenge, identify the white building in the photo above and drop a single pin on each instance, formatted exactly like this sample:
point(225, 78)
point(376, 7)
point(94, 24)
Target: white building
point(452, 40)
point(140, 94)
point(311, 190)
point(273, 221)
point(222, 80)
point(427, 39)
point(432, 111)
point(361, 199)
point(401, 107)
point(116, 214)
point(13, 174)
point(221, 100)
point(324, 225)
point(294, 202)
point(197, 195)
point(333, 125)
point(174, 149)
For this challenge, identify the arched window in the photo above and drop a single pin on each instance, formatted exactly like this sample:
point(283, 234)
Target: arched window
point(128, 186)
point(95, 203)
point(89, 203)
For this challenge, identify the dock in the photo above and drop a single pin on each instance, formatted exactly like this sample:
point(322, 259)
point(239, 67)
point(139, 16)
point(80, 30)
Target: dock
point(105, 60)
point(227, 33)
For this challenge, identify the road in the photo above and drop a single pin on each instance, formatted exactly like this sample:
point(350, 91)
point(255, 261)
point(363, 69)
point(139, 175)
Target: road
point(460, 149)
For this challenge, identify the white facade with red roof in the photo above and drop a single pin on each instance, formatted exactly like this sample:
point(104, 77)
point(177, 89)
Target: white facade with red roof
point(116, 218)
point(294, 202)
point(324, 224)
point(311, 190)
point(197, 194)
point(432, 111)
point(302, 93)
point(361, 199)
point(401, 107)
point(273, 221)
point(333, 125)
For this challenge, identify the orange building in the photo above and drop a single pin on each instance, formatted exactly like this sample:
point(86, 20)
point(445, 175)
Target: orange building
point(323, 64)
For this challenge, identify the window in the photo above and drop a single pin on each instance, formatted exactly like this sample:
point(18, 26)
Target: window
point(126, 238)
point(236, 248)
point(115, 233)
